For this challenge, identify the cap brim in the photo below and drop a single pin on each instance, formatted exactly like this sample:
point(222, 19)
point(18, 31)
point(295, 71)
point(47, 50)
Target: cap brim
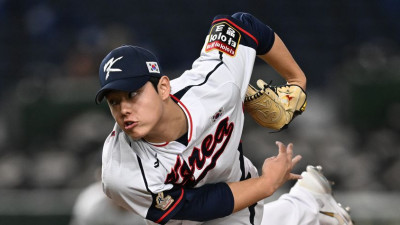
point(128, 84)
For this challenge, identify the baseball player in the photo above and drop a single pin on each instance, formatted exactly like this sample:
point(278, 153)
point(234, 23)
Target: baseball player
point(174, 155)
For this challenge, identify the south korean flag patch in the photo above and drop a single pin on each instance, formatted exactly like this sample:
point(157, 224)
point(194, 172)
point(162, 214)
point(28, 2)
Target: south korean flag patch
point(224, 38)
point(153, 67)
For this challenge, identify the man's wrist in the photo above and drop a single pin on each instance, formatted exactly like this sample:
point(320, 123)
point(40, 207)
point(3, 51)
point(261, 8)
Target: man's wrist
point(266, 186)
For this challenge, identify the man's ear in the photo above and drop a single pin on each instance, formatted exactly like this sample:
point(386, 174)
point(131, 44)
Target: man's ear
point(164, 87)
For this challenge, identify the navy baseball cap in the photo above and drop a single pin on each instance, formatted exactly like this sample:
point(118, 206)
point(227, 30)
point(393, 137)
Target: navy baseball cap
point(126, 68)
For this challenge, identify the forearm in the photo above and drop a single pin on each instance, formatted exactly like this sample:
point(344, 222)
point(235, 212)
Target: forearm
point(217, 200)
point(283, 62)
point(276, 171)
point(207, 202)
point(248, 192)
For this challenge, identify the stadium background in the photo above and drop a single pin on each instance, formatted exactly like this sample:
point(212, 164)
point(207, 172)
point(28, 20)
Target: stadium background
point(51, 132)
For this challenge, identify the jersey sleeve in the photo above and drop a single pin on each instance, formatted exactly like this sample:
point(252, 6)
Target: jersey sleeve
point(208, 202)
point(242, 28)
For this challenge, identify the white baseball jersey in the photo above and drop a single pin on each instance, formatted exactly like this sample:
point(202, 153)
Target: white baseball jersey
point(153, 179)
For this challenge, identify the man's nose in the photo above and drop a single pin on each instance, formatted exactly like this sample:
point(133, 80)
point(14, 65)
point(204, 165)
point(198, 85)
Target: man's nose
point(126, 107)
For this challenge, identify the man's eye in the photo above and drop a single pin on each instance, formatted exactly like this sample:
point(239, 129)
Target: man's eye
point(133, 94)
point(112, 102)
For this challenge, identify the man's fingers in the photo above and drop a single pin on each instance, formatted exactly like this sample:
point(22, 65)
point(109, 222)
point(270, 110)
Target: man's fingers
point(296, 159)
point(281, 146)
point(289, 150)
point(294, 176)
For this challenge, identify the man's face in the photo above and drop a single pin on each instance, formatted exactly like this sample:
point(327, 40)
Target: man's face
point(137, 113)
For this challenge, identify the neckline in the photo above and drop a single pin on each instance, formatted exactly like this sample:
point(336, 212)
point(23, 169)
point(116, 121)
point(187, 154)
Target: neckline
point(188, 116)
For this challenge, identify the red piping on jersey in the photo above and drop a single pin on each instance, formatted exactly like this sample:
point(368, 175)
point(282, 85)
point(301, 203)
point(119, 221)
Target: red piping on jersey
point(157, 145)
point(188, 113)
point(241, 29)
point(161, 145)
point(173, 207)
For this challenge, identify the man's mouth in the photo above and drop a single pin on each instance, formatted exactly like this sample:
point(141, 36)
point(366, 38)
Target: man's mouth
point(129, 125)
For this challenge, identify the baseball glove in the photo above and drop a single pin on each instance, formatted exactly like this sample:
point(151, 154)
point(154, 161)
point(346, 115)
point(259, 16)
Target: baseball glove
point(274, 107)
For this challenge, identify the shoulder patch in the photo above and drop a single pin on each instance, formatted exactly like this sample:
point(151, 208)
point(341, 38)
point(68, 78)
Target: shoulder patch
point(162, 202)
point(223, 37)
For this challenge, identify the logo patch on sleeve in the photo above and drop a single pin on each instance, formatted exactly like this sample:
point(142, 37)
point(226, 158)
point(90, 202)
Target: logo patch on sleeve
point(224, 38)
point(163, 203)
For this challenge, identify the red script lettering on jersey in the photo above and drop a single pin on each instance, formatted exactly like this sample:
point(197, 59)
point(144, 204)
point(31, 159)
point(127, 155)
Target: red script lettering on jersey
point(182, 173)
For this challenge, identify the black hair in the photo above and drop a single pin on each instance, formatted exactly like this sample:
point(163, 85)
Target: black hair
point(154, 81)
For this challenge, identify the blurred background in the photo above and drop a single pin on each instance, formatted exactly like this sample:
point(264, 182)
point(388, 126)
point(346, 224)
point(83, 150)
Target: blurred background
point(51, 131)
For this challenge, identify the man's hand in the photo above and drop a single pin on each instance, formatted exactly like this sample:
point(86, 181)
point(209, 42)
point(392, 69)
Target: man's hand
point(278, 169)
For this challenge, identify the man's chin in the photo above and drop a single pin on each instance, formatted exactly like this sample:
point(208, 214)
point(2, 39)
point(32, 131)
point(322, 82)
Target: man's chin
point(134, 136)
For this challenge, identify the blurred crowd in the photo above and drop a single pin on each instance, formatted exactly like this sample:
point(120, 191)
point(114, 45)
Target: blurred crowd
point(51, 131)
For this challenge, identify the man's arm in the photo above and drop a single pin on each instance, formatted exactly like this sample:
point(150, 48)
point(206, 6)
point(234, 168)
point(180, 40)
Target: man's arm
point(218, 200)
point(283, 62)
point(275, 172)
point(272, 50)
